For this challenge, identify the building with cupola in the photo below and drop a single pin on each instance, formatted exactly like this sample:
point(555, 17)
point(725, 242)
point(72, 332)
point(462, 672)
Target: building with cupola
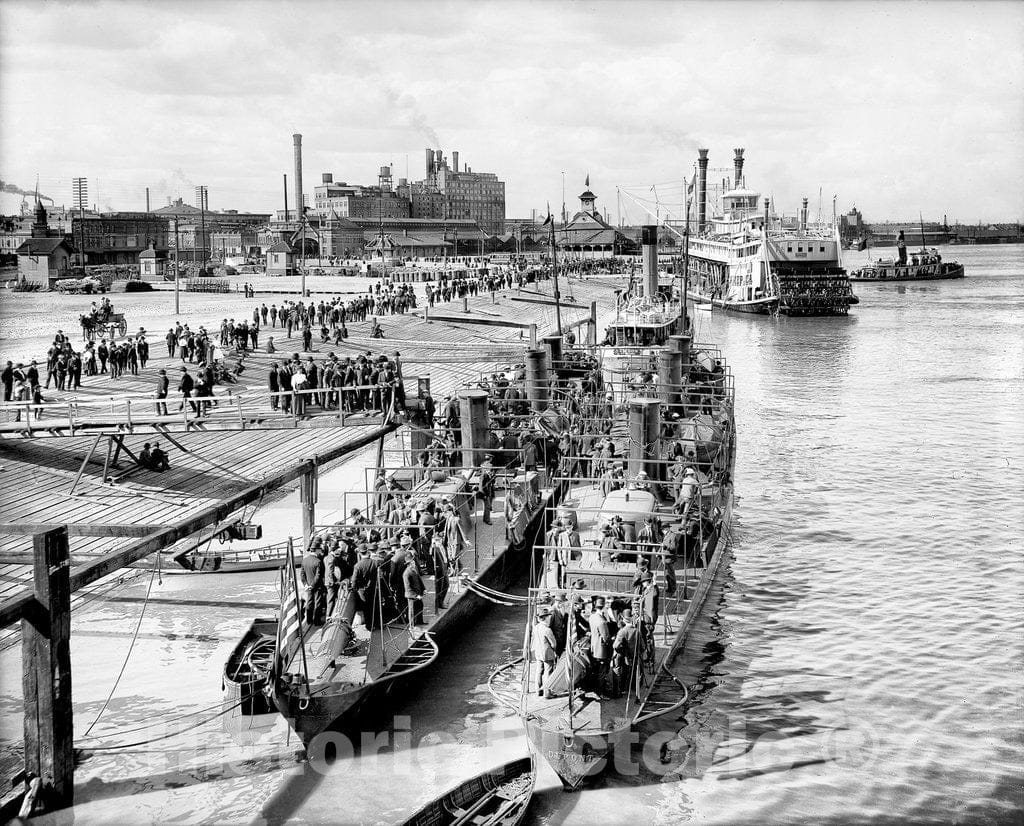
point(588, 235)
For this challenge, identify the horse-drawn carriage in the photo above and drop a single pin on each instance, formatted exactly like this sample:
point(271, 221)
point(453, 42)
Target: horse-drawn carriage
point(106, 325)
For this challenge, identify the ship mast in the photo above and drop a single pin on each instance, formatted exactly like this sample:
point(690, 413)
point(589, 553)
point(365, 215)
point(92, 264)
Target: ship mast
point(554, 263)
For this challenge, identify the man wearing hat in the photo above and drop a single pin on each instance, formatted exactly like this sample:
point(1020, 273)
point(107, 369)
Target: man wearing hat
point(414, 590)
point(624, 649)
point(162, 388)
point(486, 486)
point(364, 588)
point(649, 593)
point(688, 488)
point(544, 646)
point(312, 576)
point(600, 643)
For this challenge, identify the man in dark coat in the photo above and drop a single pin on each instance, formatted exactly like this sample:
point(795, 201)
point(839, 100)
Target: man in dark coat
point(364, 588)
point(316, 586)
point(185, 386)
point(414, 590)
point(284, 380)
point(8, 380)
point(162, 386)
point(273, 382)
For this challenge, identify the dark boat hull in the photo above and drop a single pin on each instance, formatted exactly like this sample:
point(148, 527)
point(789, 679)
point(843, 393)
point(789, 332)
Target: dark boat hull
point(496, 798)
point(951, 273)
point(244, 686)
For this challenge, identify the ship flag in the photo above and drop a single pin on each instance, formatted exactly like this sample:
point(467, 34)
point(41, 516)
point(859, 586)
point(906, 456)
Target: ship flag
point(289, 628)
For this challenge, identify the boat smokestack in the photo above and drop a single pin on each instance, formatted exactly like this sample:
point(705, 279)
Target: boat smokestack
point(803, 217)
point(299, 211)
point(737, 165)
point(649, 252)
point(702, 189)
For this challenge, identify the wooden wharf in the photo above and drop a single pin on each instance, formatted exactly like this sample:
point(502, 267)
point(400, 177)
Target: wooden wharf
point(67, 536)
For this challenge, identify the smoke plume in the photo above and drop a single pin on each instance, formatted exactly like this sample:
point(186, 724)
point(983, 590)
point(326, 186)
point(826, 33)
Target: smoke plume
point(6, 187)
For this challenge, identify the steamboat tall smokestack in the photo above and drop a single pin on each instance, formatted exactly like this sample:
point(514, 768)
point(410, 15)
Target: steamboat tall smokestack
point(649, 253)
point(299, 211)
point(737, 165)
point(702, 189)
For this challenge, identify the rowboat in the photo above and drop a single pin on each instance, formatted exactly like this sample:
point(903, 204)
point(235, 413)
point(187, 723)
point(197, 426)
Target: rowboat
point(499, 797)
point(248, 668)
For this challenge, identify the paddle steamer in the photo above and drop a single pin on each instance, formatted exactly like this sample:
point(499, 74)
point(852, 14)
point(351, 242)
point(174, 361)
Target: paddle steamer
point(747, 259)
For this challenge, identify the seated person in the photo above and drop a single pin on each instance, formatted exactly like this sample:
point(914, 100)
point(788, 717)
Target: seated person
point(159, 459)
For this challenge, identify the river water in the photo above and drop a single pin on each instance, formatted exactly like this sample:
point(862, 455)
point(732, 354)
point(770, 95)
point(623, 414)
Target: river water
point(859, 660)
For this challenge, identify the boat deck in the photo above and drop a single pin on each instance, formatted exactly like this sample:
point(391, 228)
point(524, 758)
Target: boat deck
point(375, 651)
point(592, 713)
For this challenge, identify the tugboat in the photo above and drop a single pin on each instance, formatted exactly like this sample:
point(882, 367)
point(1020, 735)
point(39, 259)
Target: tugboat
point(630, 557)
point(925, 265)
point(749, 260)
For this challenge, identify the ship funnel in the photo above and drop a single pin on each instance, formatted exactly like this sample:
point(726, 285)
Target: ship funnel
point(737, 165)
point(803, 217)
point(649, 252)
point(702, 189)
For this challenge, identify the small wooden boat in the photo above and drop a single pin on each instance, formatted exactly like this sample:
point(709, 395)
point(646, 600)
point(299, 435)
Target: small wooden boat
point(499, 797)
point(248, 668)
point(232, 560)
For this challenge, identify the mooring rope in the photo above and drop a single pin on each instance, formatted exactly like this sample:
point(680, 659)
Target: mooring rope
point(128, 654)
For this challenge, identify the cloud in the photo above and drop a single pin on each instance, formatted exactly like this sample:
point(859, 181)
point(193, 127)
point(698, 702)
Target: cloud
point(820, 95)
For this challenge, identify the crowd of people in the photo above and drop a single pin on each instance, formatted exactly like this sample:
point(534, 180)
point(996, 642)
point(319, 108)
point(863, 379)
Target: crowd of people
point(606, 637)
point(378, 558)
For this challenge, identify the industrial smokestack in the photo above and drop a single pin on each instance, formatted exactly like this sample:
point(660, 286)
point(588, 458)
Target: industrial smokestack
point(455, 160)
point(649, 252)
point(803, 217)
point(299, 211)
point(147, 199)
point(438, 158)
point(702, 189)
point(737, 165)
point(285, 176)
point(430, 162)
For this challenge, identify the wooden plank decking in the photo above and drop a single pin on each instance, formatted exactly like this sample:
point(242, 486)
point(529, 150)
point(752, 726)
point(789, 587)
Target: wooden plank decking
point(36, 474)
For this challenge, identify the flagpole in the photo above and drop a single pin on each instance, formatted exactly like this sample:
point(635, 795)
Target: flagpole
point(554, 262)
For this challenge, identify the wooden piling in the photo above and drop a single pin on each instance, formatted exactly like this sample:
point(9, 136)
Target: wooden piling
point(46, 672)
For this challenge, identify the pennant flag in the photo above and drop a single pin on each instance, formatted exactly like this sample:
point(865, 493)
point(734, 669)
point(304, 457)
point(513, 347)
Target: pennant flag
point(548, 220)
point(289, 626)
point(588, 181)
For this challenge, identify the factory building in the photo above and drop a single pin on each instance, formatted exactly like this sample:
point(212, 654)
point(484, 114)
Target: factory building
point(447, 191)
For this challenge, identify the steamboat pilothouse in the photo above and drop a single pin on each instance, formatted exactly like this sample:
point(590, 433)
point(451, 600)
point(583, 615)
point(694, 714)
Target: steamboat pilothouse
point(748, 259)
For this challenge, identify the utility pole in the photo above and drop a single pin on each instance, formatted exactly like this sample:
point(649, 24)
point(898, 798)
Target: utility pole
point(177, 270)
point(80, 190)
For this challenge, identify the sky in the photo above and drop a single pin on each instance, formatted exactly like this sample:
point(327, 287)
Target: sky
point(897, 108)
